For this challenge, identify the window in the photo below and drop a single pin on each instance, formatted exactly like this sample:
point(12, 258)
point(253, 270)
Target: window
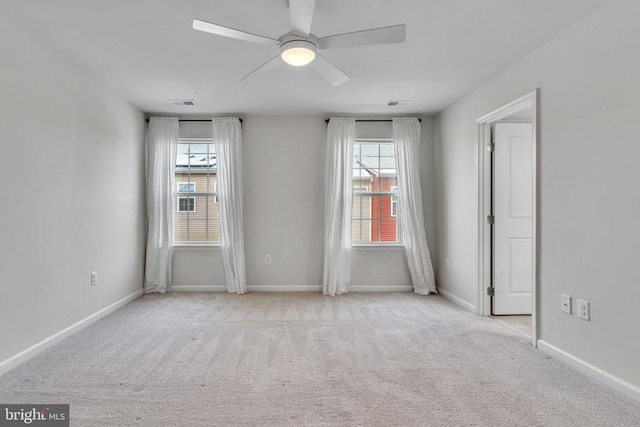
point(197, 220)
point(186, 203)
point(186, 187)
point(375, 184)
point(394, 201)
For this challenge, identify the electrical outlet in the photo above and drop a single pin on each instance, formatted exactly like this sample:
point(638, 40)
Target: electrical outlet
point(582, 307)
point(447, 264)
point(94, 278)
point(565, 304)
point(267, 259)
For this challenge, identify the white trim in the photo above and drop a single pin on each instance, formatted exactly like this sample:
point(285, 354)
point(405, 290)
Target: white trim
point(199, 288)
point(483, 235)
point(377, 247)
point(13, 361)
point(386, 288)
point(194, 171)
point(525, 101)
point(284, 288)
point(373, 194)
point(515, 121)
point(195, 194)
point(483, 206)
point(457, 300)
point(197, 247)
point(593, 371)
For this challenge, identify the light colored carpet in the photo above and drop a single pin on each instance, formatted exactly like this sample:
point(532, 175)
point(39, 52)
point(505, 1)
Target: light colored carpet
point(266, 359)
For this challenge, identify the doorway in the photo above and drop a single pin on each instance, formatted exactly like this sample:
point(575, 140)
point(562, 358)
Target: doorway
point(507, 214)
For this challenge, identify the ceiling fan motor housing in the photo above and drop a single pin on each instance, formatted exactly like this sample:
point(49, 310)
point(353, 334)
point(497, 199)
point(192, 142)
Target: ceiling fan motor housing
point(297, 50)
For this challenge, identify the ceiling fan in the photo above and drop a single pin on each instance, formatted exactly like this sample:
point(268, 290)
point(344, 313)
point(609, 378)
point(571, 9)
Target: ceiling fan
point(299, 47)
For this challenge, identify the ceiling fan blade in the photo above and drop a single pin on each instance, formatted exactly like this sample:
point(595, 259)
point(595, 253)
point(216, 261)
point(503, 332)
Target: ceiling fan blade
point(301, 13)
point(384, 35)
point(326, 69)
point(219, 30)
point(264, 68)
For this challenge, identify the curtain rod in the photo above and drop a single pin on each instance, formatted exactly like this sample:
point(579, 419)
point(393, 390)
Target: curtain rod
point(378, 120)
point(194, 120)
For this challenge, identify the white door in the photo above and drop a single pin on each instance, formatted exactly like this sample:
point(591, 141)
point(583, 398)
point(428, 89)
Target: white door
point(512, 231)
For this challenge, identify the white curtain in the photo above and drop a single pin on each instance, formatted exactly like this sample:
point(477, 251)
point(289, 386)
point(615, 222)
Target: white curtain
point(337, 210)
point(406, 136)
point(162, 140)
point(227, 135)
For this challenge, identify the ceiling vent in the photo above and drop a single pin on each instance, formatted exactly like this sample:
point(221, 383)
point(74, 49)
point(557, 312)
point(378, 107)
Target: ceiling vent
point(399, 103)
point(182, 102)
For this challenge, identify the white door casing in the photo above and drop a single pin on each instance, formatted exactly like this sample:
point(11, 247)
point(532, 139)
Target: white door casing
point(513, 210)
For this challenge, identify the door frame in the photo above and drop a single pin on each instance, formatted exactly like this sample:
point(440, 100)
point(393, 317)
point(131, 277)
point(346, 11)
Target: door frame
point(483, 204)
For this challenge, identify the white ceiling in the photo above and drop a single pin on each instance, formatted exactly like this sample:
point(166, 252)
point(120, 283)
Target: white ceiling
point(147, 52)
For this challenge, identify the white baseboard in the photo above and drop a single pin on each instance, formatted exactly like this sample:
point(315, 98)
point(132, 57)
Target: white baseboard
point(459, 301)
point(371, 288)
point(352, 288)
point(222, 288)
point(10, 363)
point(605, 377)
point(284, 288)
point(187, 288)
point(212, 288)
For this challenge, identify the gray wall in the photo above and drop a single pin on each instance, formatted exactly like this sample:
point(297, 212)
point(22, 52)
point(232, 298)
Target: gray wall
point(588, 184)
point(73, 196)
point(283, 161)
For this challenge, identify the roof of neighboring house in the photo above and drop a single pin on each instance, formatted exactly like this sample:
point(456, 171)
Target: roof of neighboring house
point(196, 156)
point(361, 170)
point(382, 173)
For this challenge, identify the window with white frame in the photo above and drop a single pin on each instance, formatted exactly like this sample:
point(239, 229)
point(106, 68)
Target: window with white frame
point(195, 186)
point(186, 204)
point(374, 207)
point(394, 201)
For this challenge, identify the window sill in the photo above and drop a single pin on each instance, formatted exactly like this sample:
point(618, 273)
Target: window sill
point(387, 247)
point(196, 247)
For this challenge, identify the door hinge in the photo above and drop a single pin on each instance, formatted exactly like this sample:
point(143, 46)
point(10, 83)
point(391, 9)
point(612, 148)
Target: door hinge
point(491, 219)
point(491, 147)
point(491, 291)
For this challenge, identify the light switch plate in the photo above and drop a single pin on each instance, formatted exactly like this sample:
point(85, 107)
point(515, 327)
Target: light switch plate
point(565, 304)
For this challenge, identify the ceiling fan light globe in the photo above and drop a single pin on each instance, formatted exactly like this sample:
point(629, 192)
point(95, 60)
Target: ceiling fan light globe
point(298, 56)
point(298, 52)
